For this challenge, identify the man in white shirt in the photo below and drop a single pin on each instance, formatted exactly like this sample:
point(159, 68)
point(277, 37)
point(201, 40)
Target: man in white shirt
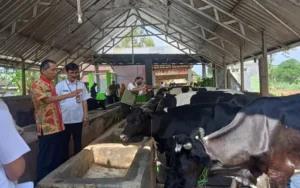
point(128, 99)
point(74, 110)
point(184, 97)
point(12, 149)
point(4, 107)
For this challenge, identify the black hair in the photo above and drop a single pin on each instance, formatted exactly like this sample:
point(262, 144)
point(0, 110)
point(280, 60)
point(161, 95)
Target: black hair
point(185, 89)
point(71, 66)
point(45, 65)
point(137, 78)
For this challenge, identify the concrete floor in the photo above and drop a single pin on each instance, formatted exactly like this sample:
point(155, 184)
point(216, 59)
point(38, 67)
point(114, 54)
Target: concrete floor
point(162, 186)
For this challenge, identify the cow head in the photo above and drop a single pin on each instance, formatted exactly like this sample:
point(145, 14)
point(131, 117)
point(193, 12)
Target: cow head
point(138, 124)
point(139, 119)
point(189, 159)
point(161, 92)
point(168, 101)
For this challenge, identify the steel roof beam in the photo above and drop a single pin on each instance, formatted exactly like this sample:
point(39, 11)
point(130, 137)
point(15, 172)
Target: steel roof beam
point(60, 35)
point(59, 38)
point(106, 46)
point(79, 51)
point(178, 41)
point(202, 34)
point(180, 34)
point(278, 19)
point(167, 35)
point(190, 49)
point(239, 32)
point(13, 24)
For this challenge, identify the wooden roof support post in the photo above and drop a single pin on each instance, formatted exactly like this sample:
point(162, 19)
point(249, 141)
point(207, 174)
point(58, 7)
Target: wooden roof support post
point(263, 68)
point(189, 75)
point(97, 77)
point(229, 79)
point(225, 72)
point(214, 74)
point(148, 71)
point(242, 68)
point(23, 78)
point(203, 71)
point(132, 46)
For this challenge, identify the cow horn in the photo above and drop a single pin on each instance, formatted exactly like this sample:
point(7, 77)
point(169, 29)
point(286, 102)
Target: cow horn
point(188, 146)
point(202, 132)
point(146, 110)
point(178, 148)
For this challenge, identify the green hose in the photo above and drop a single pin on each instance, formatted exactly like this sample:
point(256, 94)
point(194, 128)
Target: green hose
point(203, 178)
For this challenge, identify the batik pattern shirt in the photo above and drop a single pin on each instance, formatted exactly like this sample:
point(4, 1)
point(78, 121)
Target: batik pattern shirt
point(48, 116)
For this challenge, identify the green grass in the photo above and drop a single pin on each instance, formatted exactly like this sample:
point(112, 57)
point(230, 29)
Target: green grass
point(284, 86)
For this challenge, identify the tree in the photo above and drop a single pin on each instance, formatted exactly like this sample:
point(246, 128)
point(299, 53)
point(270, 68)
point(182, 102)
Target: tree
point(288, 71)
point(196, 77)
point(209, 71)
point(138, 42)
point(13, 77)
point(6, 76)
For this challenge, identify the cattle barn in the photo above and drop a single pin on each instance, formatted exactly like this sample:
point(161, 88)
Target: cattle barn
point(205, 33)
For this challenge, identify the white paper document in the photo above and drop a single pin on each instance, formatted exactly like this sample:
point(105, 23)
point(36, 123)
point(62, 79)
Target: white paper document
point(24, 185)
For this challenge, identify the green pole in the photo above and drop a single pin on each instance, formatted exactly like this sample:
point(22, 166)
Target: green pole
point(108, 79)
point(91, 81)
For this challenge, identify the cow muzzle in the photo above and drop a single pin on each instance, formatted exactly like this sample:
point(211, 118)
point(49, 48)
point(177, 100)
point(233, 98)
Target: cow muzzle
point(187, 146)
point(123, 137)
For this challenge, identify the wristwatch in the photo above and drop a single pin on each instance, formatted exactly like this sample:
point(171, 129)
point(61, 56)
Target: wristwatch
point(87, 117)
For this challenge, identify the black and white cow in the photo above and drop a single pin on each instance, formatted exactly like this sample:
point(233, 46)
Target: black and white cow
point(94, 104)
point(264, 137)
point(163, 125)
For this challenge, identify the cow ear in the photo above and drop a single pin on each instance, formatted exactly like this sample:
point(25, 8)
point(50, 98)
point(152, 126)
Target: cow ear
point(147, 110)
point(198, 133)
point(206, 161)
point(188, 146)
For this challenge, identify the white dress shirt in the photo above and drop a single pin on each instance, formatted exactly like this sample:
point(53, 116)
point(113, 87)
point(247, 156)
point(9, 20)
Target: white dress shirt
point(184, 98)
point(72, 112)
point(131, 86)
point(12, 146)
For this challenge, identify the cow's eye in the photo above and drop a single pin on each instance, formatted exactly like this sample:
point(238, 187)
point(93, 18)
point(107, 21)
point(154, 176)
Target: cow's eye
point(137, 121)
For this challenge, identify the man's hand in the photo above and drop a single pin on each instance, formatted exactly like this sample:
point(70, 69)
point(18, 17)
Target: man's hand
point(85, 121)
point(75, 93)
point(144, 86)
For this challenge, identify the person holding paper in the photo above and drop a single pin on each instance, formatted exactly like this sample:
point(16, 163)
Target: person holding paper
point(74, 110)
point(50, 127)
point(12, 149)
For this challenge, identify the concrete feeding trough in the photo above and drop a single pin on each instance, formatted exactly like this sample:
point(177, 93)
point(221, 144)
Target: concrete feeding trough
point(106, 165)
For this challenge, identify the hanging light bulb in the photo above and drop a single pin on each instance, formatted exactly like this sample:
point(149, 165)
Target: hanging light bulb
point(79, 18)
point(79, 13)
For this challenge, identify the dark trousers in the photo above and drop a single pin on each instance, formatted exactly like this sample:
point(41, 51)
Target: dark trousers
point(50, 154)
point(74, 129)
point(115, 98)
point(126, 109)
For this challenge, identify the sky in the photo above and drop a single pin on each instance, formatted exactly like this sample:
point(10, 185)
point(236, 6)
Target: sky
point(278, 57)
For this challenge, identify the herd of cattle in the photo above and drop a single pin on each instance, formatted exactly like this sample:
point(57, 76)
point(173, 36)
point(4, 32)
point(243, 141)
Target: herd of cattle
point(231, 134)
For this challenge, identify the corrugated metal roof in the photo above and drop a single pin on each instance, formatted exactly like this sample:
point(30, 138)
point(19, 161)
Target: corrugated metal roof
point(33, 30)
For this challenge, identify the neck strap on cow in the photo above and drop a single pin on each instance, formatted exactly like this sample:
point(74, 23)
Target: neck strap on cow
point(158, 162)
point(157, 108)
point(203, 178)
